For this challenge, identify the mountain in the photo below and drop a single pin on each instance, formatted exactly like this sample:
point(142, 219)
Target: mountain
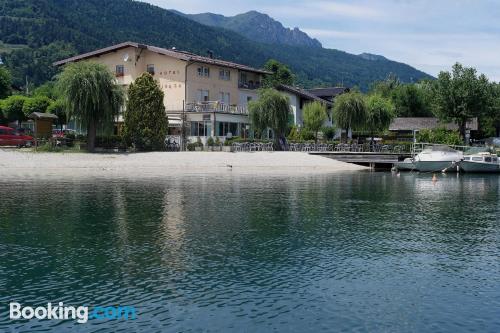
point(257, 27)
point(372, 57)
point(44, 31)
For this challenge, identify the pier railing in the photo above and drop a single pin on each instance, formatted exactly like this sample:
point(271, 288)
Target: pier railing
point(420, 146)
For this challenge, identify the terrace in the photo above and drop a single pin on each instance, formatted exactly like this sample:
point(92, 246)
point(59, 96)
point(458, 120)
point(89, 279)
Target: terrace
point(216, 106)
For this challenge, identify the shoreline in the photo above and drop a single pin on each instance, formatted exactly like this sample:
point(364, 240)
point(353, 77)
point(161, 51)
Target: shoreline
point(158, 163)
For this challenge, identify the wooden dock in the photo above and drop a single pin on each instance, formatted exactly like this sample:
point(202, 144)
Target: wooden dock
point(376, 160)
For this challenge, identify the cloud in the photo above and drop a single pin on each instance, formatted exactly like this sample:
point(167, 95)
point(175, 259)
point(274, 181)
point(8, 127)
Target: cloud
point(427, 34)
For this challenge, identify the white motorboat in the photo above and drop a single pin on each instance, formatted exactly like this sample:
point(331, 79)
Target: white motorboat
point(437, 158)
point(407, 164)
point(480, 162)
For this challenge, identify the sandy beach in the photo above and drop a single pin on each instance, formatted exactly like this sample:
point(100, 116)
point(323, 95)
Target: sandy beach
point(15, 162)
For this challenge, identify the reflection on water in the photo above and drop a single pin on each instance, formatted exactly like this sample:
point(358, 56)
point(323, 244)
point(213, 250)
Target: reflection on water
point(362, 252)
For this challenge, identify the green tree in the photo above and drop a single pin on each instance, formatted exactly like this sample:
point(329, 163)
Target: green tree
point(462, 95)
point(281, 74)
point(379, 113)
point(314, 116)
point(386, 87)
point(410, 101)
point(48, 89)
point(36, 104)
point(146, 123)
point(349, 111)
point(91, 95)
point(271, 110)
point(58, 108)
point(13, 108)
point(5, 82)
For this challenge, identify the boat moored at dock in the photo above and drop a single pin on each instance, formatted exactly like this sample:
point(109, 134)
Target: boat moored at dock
point(484, 162)
point(437, 158)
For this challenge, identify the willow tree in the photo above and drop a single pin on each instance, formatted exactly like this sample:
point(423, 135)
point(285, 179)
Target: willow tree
point(146, 123)
point(349, 111)
point(314, 117)
point(91, 95)
point(379, 114)
point(271, 110)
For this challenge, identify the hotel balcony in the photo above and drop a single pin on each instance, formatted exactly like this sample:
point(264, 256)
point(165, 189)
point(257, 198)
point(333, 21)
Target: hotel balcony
point(249, 85)
point(216, 106)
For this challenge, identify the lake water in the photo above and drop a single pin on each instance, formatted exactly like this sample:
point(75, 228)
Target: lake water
point(364, 252)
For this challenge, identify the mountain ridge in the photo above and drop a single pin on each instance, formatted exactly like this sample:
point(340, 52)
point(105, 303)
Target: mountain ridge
point(256, 26)
point(51, 30)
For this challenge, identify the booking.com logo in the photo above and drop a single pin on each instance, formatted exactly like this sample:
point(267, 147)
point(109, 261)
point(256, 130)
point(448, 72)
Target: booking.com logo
point(81, 314)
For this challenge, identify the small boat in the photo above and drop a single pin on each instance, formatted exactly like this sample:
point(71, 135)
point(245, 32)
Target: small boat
point(406, 165)
point(438, 158)
point(480, 162)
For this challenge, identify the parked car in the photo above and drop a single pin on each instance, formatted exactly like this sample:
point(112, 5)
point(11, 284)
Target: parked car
point(63, 137)
point(58, 133)
point(11, 137)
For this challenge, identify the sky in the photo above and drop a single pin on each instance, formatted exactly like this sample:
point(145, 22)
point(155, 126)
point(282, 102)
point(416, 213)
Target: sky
point(430, 35)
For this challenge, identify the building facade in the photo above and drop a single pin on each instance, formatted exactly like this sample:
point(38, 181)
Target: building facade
point(204, 97)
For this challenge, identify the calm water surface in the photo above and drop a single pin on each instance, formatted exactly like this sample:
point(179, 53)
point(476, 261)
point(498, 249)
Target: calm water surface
point(364, 252)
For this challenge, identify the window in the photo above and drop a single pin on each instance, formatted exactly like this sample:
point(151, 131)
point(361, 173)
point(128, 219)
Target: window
point(243, 78)
point(151, 69)
point(120, 70)
point(225, 74)
point(224, 128)
point(202, 95)
point(200, 128)
point(225, 98)
point(249, 98)
point(204, 71)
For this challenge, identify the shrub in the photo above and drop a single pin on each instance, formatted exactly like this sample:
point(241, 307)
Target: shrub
point(110, 142)
point(210, 142)
point(440, 135)
point(328, 133)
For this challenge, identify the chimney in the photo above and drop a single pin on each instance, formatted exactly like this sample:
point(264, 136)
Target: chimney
point(210, 54)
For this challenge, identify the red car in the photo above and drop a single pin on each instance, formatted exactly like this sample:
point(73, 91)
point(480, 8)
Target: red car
point(11, 137)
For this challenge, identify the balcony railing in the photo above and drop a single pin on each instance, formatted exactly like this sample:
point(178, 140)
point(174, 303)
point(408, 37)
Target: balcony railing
point(216, 106)
point(249, 85)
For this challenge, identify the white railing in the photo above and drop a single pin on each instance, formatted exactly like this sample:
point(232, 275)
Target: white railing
point(216, 106)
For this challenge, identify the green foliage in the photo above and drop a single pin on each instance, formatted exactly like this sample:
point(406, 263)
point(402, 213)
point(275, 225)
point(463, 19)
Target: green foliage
point(48, 89)
point(12, 108)
point(36, 104)
point(210, 142)
point(412, 100)
point(385, 87)
point(379, 113)
point(110, 142)
point(301, 134)
point(461, 95)
point(281, 74)
point(350, 111)
point(54, 30)
point(5, 82)
point(146, 123)
point(328, 133)
point(439, 135)
point(314, 116)
point(271, 110)
point(91, 95)
point(58, 108)
point(34, 64)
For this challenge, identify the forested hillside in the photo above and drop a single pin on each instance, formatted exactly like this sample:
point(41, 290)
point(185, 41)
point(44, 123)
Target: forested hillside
point(44, 31)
